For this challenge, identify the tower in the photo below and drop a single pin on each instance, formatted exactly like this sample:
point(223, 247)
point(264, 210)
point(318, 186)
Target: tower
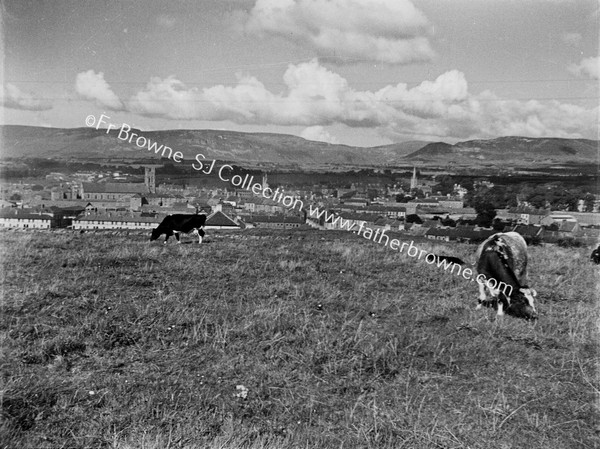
point(265, 184)
point(413, 181)
point(150, 179)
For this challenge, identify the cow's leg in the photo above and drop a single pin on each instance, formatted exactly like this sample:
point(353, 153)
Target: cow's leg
point(500, 308)
point(199, 236)
point(482, 296)
point(177, 236)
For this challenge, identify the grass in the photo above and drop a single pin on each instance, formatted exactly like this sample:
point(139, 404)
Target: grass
point(111, 341)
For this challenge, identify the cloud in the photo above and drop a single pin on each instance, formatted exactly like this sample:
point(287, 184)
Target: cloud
point(391, 31)
point(167, 98)
point(315, 97)
point(319, 134)
point(587, 68)
point(92, 86)
point(14, 98)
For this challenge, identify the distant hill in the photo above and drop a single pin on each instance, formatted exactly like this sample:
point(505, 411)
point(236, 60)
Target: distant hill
point(284, 149)
point(289, 150)
point(512, 150)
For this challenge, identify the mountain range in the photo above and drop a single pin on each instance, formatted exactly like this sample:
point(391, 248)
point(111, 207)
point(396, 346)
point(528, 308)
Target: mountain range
point(288, 150)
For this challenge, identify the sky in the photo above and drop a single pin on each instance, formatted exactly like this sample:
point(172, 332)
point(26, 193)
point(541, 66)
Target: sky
point(355, 72)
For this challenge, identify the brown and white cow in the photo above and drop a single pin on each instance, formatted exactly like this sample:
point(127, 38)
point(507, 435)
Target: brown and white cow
point(502, 267)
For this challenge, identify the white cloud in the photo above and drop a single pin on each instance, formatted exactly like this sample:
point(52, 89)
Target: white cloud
point(319, 134)
point(315, 97)
point(392, 31)
point(587, 68)
point(14, 98)
point(92, 86)
point(167, 98)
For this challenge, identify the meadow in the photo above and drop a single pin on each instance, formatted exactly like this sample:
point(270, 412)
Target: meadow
point(290, 339)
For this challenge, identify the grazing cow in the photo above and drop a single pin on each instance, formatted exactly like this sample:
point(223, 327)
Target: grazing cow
point(502, 267)
point(595, 256)
point(174, 224)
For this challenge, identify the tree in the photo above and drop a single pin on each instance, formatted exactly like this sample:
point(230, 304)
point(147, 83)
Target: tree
point(414, 218)
point(448, 222)
point(485, 213)
point(498, 224)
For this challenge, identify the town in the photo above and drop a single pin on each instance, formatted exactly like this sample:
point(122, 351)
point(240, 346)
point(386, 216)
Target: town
point(419, 203)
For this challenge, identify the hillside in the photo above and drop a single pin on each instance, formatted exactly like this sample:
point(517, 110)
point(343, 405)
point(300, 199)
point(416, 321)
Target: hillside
point(289, 150)
point(510, 150)
point(273, 340)
point(88, 143)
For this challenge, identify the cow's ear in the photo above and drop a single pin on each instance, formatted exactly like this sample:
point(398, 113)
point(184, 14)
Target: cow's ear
point(533, 292)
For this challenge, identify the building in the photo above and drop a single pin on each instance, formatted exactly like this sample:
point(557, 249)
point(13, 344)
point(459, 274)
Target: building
point(117, 192)
point(523, 215)
point(557, 218)
point(115, 221)
point(221, 221)
point(276, 221)
point(26, 219)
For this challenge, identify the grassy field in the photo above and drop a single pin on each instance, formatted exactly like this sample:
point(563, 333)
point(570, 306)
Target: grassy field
point(286, 339)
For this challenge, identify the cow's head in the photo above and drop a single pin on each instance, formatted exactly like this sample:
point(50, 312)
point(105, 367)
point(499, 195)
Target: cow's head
point(522, 304)
point(155, 234)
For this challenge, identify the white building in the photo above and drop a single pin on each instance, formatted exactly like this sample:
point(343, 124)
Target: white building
point(25, 219)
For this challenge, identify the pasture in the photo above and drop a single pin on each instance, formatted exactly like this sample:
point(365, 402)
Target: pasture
point(286, 339)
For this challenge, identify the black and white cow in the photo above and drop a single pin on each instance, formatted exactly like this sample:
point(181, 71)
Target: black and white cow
point(502, 267)
point(595, 256)
point(176, 223)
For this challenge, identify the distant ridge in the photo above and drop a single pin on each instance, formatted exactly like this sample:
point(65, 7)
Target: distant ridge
point(512, 150)
point(288, 150)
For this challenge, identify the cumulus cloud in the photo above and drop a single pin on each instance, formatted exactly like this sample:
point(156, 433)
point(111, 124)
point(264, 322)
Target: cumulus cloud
point(315, 97)
point(587, 68)
point(319, 134)
point(14, 98)
point(391, 31)
point(92, 86)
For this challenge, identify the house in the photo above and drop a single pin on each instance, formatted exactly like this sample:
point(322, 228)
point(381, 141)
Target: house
point(383, 210)
point(388, 224)
point(527, 231)
point(452, 203)
point(279, 221)
point(556, 218)
point(221, 221)
point(117, 221)
point(439, 234)
point(263, 206)
point(467, 235)
point(524, 215)
point(466, 213)
point(427, 202)
point(361, 202)
point(26, 219)
point(349, 220)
